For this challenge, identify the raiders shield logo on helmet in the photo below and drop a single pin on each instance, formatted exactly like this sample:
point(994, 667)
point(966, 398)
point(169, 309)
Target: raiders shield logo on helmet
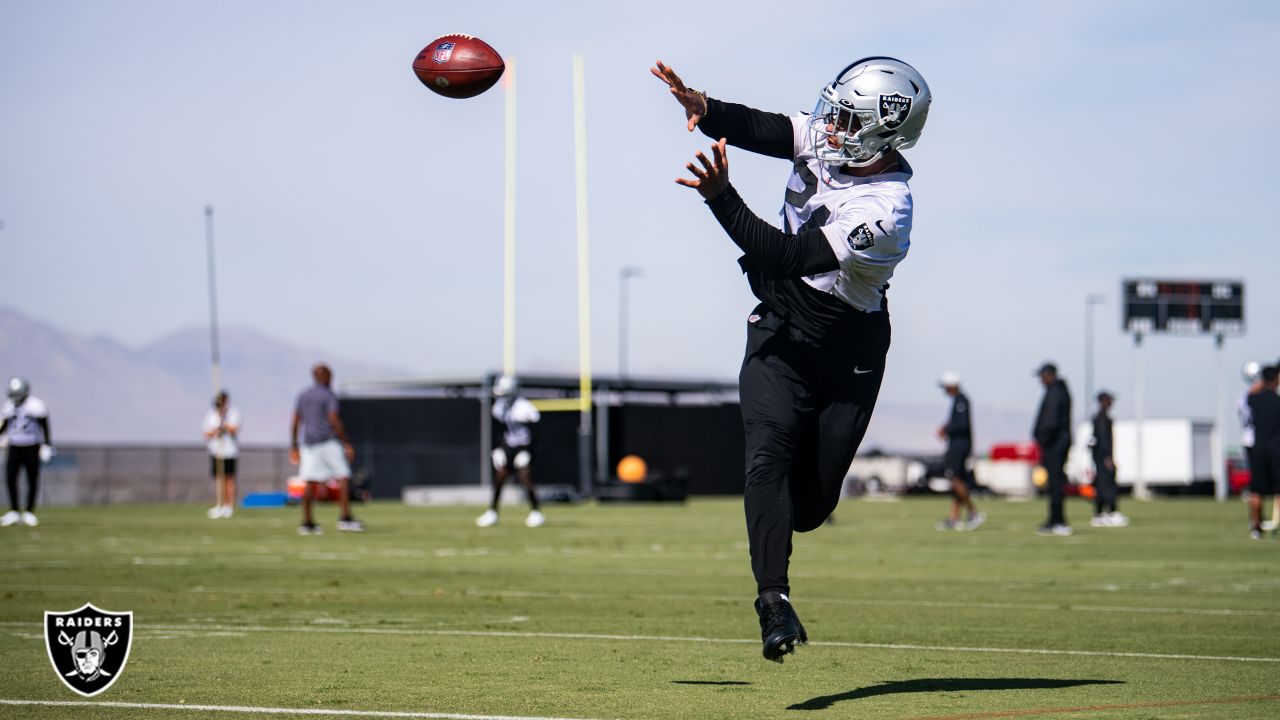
point(894, 109)
point(861, 238)
point(88, 647)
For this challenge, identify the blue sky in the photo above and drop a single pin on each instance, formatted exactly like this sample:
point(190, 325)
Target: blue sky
point(1070, 145)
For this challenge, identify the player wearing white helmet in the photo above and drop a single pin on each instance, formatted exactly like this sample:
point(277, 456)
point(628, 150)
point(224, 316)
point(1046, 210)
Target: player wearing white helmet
point(1252, 374)
point(25, 426)
point(515, 455)
point(816, 343)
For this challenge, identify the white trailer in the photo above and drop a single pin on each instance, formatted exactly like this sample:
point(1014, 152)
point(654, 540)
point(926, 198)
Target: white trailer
point(882, 474)
point(1174, 452)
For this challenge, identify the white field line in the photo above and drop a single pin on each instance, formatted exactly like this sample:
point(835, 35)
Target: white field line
point(688, 639)
point(269, 710)
point(950, 605)
point(1051, 607)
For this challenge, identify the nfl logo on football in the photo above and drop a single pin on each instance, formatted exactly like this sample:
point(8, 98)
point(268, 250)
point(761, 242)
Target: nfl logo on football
point(88, 647)
point(443, 52)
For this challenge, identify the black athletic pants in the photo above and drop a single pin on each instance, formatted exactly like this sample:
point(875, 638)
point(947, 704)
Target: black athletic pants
point(805, 409)
point(23, 456)
point(1055, 461)
point(1104, 486)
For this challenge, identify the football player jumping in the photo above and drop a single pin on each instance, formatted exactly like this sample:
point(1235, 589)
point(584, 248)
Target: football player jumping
point(816, 343)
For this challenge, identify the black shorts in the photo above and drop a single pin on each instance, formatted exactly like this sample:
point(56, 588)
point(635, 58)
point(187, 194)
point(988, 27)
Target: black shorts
point(1264, 474)
point(511, 452)
point(228, 467)
point(953, 462)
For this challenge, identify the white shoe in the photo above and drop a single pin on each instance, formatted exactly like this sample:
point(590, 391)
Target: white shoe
point(214, 512)
point(489, 518)
point(1118, 519)
point(1100, 521)
point(10, 518)
point(1269, 525)
point(535, 519)
point(29, 519)
point(975, 521)
point(1062, 530)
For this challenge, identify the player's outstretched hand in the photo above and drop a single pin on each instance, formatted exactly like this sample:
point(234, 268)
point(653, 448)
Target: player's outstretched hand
point(713, 177)
point(694, 102)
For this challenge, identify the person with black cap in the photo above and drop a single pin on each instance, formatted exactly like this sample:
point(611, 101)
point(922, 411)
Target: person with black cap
point(958, 433)
point(1052, 432)
point(1264, 479)
point(1102, 446)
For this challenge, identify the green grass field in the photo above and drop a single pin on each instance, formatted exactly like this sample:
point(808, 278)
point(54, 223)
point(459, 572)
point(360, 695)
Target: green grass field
point(645, 612)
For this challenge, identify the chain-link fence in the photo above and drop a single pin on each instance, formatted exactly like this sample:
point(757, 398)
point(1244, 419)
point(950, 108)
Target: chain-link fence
point(105, 475)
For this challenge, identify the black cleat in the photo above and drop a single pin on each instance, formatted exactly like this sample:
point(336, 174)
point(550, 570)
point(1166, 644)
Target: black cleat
point(780, 629)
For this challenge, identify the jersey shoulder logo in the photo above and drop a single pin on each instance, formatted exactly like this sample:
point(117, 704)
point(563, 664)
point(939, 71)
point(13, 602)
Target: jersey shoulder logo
point(893, 109)
point(88, 647)
point(861, 238)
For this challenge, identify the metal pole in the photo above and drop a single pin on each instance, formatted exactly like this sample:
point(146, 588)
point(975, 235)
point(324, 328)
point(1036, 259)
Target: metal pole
point(1219, 427)
point(1140, 491)
point(509, 225)
point(585, 425)
point(215, 351)
point(1089, 301)
point(624, 317)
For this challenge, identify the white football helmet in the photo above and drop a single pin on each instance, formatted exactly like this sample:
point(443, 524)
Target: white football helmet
point(874, 106)
point(1251, 371)
point(505, 386)
point(19, 389)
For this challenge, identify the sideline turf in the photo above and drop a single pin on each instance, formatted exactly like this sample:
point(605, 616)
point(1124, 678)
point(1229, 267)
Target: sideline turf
point(245, 612)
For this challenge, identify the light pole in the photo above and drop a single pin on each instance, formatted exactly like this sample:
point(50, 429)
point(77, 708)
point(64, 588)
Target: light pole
point(1089, 301)
point(624, 274)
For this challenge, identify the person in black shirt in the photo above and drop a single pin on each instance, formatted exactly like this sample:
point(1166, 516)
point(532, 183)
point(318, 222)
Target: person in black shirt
point(1264, 479)
point(1102, 445)
point(816, 343)
point(958, 432)
point(1052, 432)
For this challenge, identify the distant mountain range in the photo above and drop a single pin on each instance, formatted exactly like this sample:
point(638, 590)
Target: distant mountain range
point(99, 390)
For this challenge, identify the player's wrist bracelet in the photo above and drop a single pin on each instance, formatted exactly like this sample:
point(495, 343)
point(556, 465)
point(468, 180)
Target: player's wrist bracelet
point(705, 105)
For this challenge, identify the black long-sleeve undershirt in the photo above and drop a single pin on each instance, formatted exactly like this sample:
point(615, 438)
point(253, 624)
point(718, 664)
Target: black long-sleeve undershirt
point(770, 250)
point(743, 127)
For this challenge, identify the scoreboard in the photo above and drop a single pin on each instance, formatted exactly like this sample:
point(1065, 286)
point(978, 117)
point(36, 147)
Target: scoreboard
point(1188, 307)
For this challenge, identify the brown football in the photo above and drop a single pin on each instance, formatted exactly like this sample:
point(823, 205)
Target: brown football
point(458, 66)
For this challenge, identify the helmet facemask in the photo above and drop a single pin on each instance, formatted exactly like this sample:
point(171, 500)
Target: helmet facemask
point(844, 135)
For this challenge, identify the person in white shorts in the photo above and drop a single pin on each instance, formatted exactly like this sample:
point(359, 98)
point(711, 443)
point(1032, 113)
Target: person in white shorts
point(221, 430)
point(325, 453)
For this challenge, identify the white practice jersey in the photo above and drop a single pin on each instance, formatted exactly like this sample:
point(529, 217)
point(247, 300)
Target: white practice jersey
point(867, 221)
point(516, 415)
point(1246, 420)
point(225, 446)
point(24, 428)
